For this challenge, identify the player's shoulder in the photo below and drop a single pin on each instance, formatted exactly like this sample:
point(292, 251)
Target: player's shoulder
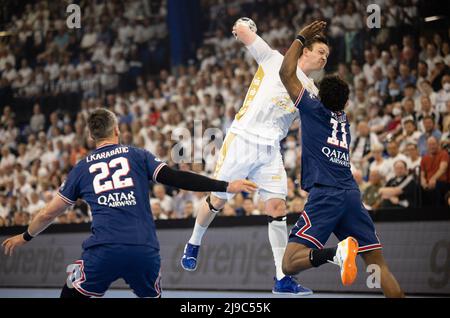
point(274, 61)
point(136, 152)
point(143, 154)
point(277, 56)
point(309, 97)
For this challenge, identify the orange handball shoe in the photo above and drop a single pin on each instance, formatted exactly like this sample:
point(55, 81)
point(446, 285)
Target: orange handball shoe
point(346, 259)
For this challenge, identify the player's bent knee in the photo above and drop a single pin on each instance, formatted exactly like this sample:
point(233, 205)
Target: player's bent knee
point(276, 208)
point(215, 204)
point(67, 292)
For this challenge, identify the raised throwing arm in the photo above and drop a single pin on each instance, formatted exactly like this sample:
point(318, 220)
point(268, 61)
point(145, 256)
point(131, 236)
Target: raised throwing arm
point(288, 69)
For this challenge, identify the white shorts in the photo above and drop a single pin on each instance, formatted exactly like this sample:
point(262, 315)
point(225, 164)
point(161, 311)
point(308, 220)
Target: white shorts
point(262, 164)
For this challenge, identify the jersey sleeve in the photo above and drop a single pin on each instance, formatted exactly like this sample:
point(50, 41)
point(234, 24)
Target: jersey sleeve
point(261, 51)
point(153, 165)
point(69, 190)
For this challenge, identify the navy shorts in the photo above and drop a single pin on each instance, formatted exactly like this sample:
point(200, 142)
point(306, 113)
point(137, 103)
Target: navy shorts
point(101, 265)
point(332, 210)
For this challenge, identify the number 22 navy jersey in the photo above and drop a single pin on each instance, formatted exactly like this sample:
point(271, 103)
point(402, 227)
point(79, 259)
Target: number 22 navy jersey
point(115, 181)
point(325, 145)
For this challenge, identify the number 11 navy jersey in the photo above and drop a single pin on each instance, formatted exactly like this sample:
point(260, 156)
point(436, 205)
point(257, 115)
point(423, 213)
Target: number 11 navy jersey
point(115, 181)
point(325, 145)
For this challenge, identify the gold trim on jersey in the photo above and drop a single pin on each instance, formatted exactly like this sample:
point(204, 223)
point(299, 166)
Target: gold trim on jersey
point(285, 103)
point(251, 93)
point(223, 153)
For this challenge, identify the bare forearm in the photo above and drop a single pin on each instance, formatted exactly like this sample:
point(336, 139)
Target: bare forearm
point(289, 65)
point(288, 70)
point(40, 223)
point(46, 216)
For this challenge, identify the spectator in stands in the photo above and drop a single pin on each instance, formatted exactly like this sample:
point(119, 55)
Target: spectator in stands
point(36, 203)
point(429, 130)
point(443, 95)
point(360, 150)
point(37, 121)
point(188, 211)
point(371, 195)
point(157, 211)
point(248, 208)
point(412, 152)
point(228, 210)
point(3, 222)
point(8, 159)
point(21, 218)
point(427, 110)
point(393, 156)
point(4, 211)
point(378, 163)
point(73, 217)
point(405, 77)
point(400, 191)
point(358, 176)
point(179, 201)
point(434, 176)
point(166, 202)
point(410, 134)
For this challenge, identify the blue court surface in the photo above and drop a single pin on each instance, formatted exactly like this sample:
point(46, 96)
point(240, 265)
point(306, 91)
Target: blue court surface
point(123, 293)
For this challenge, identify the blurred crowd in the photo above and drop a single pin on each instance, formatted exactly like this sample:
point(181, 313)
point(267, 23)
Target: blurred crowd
point(399, 106)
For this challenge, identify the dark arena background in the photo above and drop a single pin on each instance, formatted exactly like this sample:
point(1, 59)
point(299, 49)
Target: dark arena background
point(172, 72)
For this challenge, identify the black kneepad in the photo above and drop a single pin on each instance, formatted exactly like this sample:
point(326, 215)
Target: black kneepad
point(280, 218)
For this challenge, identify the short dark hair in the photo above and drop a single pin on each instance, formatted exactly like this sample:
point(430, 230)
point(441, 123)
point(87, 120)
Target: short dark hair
point(333, 93)
point(428, 117)
point(401, 161)
point(101, 123)
point(412, 144)
point(317, 39)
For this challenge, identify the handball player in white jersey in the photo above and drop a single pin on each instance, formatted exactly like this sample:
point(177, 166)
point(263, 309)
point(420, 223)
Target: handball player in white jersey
point(251, 148)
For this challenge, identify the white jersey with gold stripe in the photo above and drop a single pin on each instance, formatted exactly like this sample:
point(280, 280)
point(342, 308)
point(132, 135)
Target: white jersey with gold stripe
point(267, 111)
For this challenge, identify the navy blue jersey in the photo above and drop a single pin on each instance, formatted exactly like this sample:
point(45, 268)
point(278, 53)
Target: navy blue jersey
point(114, 180)
point(325, 145)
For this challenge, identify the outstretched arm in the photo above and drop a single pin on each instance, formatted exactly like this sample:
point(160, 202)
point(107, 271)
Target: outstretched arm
point(288, 69)
point(42, 220)
point(195, 182)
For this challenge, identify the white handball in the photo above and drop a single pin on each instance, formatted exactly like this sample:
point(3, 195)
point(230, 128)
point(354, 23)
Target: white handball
point(246, 21)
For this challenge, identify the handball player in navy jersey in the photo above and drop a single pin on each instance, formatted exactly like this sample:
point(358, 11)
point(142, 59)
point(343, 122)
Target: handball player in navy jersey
point(334, 202)
point(115, 181)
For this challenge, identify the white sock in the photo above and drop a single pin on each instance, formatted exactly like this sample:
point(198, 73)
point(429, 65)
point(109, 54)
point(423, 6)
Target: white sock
point(278, 238)
point(197, 234)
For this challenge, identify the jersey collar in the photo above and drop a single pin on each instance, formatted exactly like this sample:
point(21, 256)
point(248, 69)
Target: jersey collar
point(105, 145)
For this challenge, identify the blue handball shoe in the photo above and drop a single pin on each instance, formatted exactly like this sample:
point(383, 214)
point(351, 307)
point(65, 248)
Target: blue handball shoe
point(189, 259)
point(289, 286)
